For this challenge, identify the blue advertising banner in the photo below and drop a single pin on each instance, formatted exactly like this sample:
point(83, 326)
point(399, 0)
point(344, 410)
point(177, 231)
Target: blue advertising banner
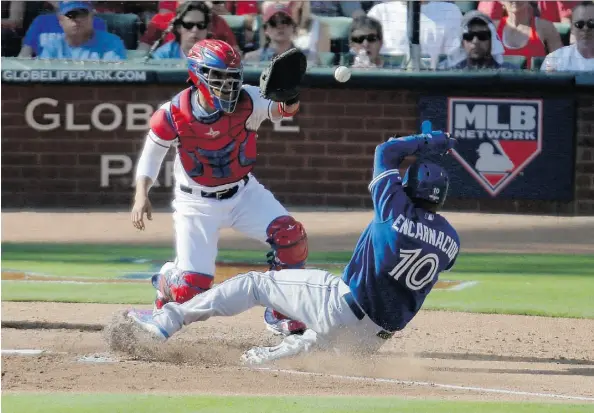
point(507, 148)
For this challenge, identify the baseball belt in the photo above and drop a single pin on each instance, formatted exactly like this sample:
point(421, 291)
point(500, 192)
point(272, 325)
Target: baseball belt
point(220, 195)
point(360, 314)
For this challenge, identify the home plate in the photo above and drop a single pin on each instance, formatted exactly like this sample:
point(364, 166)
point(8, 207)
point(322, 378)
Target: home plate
point(22, 352)
point(98, 358)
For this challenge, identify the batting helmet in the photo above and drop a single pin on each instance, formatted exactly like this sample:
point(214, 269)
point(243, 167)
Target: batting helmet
point(427, 181)
point(216, 70)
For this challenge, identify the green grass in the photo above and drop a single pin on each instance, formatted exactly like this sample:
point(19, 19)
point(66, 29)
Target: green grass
point(543, 295)
point(532, 284)
point(78, 293)
point(493, 263)
point(90, 253)
point(75, 269)
point(121, 403)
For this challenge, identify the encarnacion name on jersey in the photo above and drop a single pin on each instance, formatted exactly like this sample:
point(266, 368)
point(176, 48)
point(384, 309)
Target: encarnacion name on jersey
point(429, 235)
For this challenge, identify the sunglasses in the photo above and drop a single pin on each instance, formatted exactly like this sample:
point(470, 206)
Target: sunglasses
point(190, 25)
point(581, 23)
point(287, 21)
point(369, 37)
point(482, 36)
point(75, 14)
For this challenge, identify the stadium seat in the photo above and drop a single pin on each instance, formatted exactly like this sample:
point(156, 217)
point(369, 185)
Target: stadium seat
point(126, 26)
point(519, 61)
point(536, 62)
point(256, 27)
point(346, 59)
point(237, 25)
point(339, 28)
point(466, 6)
point(135, 54)
point(394, 60)
point(564, 30)
point(327, 59)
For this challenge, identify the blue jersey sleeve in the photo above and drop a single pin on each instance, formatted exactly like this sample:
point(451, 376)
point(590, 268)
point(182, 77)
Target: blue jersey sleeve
point(386, 187)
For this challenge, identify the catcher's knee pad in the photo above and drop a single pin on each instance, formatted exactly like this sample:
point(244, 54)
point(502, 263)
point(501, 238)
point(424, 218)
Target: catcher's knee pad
point(288, 240)
point(181, 286)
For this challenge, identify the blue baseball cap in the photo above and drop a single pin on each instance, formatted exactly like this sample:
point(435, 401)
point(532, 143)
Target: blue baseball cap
point(68, 6)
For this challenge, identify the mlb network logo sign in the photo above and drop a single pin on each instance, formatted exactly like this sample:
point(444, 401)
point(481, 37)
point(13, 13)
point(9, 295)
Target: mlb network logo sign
point(497, 138)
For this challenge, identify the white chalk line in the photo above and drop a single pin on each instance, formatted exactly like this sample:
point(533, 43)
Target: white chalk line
point(35, 352)
point(428, 384)
point(22, 352)
point(462, 286)
point(29, 352)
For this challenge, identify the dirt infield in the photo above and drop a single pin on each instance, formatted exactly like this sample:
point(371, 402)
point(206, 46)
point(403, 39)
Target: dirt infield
point(439, 355)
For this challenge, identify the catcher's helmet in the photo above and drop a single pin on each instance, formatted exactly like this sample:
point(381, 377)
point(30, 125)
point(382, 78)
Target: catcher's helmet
point(216, 70)
point(427, 181)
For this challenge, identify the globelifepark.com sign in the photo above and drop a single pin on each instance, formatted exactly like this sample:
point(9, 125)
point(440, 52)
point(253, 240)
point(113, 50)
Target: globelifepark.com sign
point(507, 147)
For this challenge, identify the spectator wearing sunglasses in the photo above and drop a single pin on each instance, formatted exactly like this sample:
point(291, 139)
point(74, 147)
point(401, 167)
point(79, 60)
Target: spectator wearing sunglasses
point(161, 21)
point(365, 40)
point(579, 56)
point(279, 29)
point(46, 28)
point(481, 47)
point(81, 41)
point(190, 27)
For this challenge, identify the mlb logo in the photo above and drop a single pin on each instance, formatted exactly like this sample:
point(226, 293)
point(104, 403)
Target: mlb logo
point(497, 138)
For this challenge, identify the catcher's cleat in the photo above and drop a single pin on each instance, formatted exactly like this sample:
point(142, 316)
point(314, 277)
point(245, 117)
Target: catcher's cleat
point(159, 280)
point(279, 324)
point(160, 299)
point(144, 319)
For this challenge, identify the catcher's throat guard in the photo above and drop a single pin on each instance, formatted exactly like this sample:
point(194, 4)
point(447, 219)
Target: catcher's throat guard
point(280, 81)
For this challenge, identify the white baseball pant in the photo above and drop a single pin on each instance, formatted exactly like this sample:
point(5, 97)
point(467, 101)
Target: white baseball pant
point(198, 221)
point(315, 297)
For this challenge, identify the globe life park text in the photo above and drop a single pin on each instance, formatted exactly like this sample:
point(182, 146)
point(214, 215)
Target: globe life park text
point(48, 114)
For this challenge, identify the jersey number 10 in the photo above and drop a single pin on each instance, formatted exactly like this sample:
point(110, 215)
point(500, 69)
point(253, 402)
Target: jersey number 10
point(411, 267)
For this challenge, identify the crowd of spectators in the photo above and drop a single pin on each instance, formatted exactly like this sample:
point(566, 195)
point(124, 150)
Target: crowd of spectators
point(544, 35)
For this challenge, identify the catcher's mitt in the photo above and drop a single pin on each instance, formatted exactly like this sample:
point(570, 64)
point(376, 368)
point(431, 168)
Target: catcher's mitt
point(280, 80)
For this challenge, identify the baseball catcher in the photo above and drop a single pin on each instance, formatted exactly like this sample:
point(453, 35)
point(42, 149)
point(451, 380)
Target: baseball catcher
point(212, 125)
point(396, 263)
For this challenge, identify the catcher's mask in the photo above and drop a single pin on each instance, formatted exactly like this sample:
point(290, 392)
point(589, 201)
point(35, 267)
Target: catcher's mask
point(427, 181)
point(216, 70)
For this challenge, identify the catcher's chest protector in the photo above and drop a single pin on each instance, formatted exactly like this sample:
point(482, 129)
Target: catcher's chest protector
point(216, 153)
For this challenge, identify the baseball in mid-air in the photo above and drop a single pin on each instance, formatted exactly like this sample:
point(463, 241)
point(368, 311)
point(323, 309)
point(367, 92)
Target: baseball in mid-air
point(342, 74)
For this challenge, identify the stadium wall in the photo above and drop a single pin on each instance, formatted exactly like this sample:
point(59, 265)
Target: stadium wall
point(75, 145)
